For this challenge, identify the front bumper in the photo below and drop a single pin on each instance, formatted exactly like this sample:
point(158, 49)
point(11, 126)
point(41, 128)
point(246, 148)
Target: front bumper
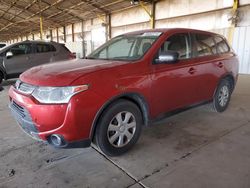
point(23, 118)
point(72, 121)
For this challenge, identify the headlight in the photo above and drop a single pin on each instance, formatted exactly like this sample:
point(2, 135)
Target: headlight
point(57, 95)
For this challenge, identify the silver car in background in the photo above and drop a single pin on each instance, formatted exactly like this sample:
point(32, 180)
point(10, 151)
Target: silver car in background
point(17, 58)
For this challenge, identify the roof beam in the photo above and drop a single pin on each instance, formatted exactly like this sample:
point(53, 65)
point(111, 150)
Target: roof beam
point(34, 14)
point(63, 10)
point(95, 5)
point(10, 6)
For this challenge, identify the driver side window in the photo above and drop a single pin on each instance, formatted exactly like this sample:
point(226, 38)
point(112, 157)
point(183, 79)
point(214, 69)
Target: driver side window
point(21, 49)
point(178, 43)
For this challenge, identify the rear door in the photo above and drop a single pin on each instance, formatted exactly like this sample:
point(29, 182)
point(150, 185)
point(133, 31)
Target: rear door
point(43, 54)
point(209, 63)
point(175, 85)
point(21, 59)
point(63, 53)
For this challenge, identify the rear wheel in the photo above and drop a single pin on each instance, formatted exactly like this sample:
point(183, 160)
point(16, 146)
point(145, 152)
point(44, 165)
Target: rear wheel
point(222, 96)
point(119, 128)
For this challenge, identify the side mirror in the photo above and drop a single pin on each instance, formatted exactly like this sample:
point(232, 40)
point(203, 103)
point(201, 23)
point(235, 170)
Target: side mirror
point(9, 55)
point(167, 57)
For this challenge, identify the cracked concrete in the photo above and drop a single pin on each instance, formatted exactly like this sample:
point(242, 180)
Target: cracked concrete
point(195, 148)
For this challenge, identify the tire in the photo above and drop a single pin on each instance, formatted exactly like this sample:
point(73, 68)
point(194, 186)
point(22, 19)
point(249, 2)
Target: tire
point(118, 128)
point(222, 96)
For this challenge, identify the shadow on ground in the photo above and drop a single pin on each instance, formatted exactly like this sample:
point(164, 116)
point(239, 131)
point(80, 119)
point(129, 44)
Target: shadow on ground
point(8, 82)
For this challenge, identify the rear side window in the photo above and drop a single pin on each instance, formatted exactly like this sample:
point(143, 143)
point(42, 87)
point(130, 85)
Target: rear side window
point(205, 45)
point(43, 48)
point(178, 43)
point(222, 46)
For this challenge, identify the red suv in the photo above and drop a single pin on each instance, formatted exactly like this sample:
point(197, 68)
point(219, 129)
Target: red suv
point(124, 84)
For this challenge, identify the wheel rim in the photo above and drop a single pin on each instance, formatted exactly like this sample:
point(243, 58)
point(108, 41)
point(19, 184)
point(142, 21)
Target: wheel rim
point(223, 96)
point(121, 129)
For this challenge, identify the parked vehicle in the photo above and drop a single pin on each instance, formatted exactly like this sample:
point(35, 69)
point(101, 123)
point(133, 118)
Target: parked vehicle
point(17, 58)
point(2, 45)
point(128, 82)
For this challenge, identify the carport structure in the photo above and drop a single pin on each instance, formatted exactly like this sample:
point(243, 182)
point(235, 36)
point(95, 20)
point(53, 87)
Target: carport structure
point(20, 18)
point(83, 25)
point(196, 148)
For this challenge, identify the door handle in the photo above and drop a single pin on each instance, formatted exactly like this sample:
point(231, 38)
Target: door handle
point(220, 65)
point(192, 70)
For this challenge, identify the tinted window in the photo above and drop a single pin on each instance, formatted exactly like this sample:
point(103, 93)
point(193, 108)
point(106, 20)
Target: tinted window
point(2, 45)
point(179, 43)
point(43, 48)
point(205, 45)
point(222, 46)
point(21, 49)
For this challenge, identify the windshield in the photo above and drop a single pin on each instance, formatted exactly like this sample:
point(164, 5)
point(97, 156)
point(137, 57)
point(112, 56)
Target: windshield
point(126, 47)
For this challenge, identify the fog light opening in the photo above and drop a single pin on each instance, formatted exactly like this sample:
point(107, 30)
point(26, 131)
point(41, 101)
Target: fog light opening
point(57, 140)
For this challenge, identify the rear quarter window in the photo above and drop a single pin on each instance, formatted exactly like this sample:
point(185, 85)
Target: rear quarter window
point(222, 46)
point(205, 45)
point(44, 48)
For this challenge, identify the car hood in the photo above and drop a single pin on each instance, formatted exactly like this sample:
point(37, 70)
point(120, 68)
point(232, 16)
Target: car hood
point(65, 72)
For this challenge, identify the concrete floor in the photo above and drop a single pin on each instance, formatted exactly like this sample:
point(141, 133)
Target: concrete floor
point(196, 148)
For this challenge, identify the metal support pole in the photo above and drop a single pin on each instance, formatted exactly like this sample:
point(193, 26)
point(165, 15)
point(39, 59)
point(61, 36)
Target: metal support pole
point(151, 13)
point(57, 35)
point(41, 27)
point(73, 32)
point(108, 27)
point(233, 20)
point(84, 46)
point(51, 35)
point(64, 34)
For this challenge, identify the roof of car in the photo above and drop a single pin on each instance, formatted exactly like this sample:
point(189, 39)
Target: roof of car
point(164, 30)
point(38, 41)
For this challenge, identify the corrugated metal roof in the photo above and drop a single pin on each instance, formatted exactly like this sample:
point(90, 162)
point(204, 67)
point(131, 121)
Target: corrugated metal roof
point(21, 17)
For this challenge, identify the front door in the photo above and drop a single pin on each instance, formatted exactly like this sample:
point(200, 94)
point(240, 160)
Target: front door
point(175, 84)
point(21, 59)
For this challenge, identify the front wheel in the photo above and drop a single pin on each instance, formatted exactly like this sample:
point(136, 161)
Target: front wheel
point(222, 96)
point(119, 128)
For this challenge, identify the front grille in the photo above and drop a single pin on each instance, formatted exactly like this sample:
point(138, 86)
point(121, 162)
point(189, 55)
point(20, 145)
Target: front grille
point(18, 109)
point(24, 119)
